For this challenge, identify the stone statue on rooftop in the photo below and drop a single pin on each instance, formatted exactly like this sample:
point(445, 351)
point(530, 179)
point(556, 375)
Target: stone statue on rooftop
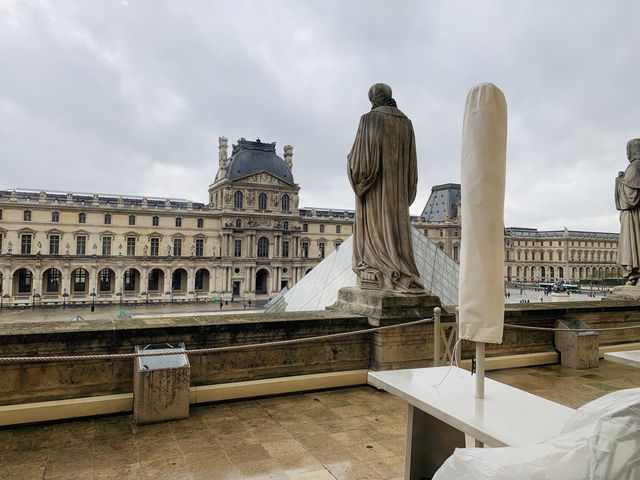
point(383, 172)
point(627, 197)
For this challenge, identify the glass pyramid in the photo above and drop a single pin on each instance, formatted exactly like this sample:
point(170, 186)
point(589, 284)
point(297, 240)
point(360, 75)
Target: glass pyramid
point(319, 288)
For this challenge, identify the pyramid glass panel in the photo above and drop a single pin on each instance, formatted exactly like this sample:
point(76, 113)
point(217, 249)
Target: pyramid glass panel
point(319, 288)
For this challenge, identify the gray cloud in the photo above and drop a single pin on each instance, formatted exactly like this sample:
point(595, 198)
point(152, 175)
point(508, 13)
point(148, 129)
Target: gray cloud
point(110, 97)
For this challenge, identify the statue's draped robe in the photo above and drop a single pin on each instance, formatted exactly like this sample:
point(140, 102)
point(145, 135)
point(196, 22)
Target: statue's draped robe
point(628, 202)
point(382, 168)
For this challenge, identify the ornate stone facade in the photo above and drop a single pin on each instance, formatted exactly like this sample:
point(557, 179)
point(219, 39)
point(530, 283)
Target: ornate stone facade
point(248, 242)
point(251, 240)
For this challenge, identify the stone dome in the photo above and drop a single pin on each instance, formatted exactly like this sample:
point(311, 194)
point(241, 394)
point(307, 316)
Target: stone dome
point(249, 157)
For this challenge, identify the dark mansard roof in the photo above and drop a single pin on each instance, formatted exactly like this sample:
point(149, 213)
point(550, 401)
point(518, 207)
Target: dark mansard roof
point(249, 157)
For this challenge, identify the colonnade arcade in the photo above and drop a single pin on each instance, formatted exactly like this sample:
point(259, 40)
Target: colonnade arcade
point(550, 273)
point(32, 283)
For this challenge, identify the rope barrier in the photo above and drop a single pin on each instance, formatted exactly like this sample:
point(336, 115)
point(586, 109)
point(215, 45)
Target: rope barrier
point(199, 351)
point(550, 329)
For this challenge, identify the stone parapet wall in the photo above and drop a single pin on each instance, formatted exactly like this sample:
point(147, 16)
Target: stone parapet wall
point(402, 348)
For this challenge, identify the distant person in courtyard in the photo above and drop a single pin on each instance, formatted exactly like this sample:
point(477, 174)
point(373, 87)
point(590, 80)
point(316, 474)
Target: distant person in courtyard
point(383, 172)
point(627, 197)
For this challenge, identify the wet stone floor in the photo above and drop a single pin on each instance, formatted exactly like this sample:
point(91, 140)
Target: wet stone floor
point(349, 433)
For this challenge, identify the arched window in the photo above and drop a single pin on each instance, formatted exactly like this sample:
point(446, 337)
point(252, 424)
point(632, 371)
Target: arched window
point(237, 199)
point(82, 218)
point(560, 272)
point(543, 273)
point(55, 217)
point(107, 219)
point(285, 203)
point(262, 201)
point(263, 247)
point(551, 273)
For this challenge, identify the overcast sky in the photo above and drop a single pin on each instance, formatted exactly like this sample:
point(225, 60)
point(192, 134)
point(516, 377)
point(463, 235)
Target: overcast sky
point(131, 96)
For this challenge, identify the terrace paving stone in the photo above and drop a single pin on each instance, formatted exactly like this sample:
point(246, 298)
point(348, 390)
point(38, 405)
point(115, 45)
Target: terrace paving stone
point(347, 433)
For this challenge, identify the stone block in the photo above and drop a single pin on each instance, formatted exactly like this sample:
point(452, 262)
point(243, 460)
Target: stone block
point(578, 350)
point(161, 385)
point(386, 308)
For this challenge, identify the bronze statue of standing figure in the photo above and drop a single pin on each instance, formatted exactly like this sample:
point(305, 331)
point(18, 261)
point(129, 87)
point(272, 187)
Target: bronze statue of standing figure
point(628, 202)
point(383, 171)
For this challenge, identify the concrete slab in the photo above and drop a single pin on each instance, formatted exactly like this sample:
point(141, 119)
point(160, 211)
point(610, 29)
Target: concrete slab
point(631, 357)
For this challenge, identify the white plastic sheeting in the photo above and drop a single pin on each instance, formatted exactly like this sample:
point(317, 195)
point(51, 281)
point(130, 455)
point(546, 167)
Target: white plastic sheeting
point(600, 442)
point(484, 144)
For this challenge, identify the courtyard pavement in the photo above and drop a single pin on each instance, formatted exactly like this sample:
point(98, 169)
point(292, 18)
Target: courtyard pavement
point(348, 433)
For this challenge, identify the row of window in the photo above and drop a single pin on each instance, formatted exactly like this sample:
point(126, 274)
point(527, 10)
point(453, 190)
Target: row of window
point(154, 250)
point(82, 218)
point(576, 243)
point(81, 245)
point(263, 248)
point(238, 201)
point(599, 255)
point(305, 228)
point(106, 280)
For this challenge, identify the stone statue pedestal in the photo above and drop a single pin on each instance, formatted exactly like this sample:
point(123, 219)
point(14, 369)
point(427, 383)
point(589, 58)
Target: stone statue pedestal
point(402, 347)
point(625, 292)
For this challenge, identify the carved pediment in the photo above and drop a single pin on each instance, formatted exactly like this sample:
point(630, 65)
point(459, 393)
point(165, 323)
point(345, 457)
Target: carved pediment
point(265, 178)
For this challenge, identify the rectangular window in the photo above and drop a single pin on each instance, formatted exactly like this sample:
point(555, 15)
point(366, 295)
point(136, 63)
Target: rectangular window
point(55, 217)
point(81, 245)
point(107, 219)
point(131, 246)
point(321, 249)
point(82, 218)
point(27, 215)
point(237, 248)
point(337, 228)
point(177, 247)
point(321, 228)
point(305, 249)
point(305, 227)
point(154, 280)
point(54, 244)
point(199, 247)
point(455, 253)
point(0, 244)
point(285, 249)
point(132, 219)
point(25, 244)
point(53, 281)
point(24, 281)
point(0, 214)
point(129, 280)
point(104, 277)
point(178, 222)
point(200, 223)
point(106, 245)
point(155, 247)
point(155, 221)
point(79, 280)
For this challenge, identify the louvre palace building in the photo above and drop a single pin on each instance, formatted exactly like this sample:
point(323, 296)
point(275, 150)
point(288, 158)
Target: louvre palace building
point(251, 240)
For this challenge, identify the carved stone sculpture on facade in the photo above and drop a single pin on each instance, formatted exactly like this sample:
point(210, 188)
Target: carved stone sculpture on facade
point(383, 172)
point(627, 196)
